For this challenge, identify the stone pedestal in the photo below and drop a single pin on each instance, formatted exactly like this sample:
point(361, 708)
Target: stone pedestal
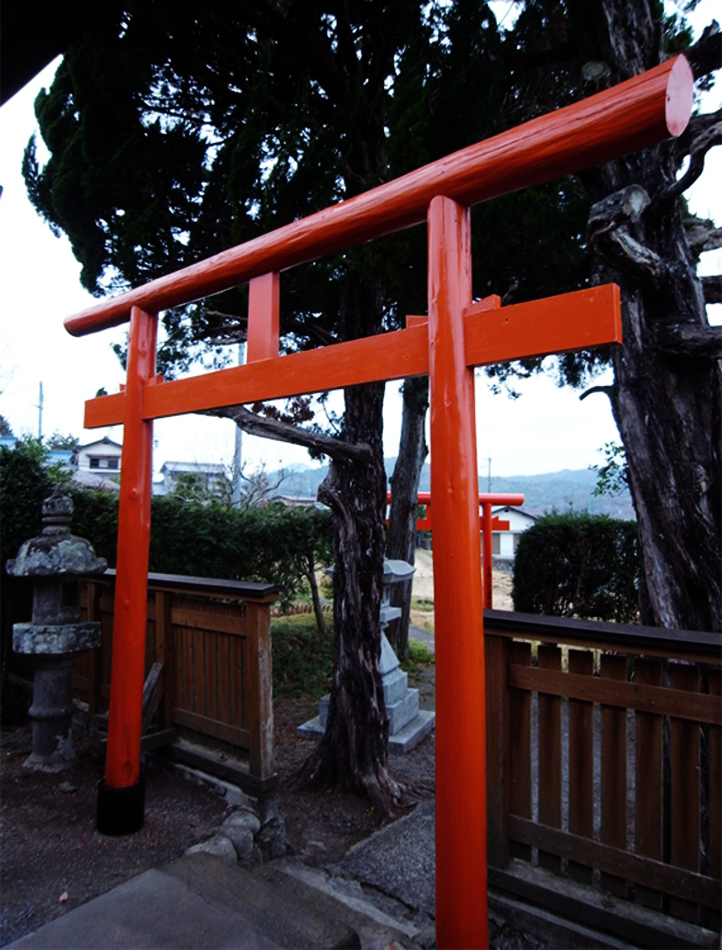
point(408, 724)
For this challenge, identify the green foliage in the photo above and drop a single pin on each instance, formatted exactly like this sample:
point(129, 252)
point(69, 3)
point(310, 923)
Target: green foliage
point(302, 657)
point(59, 441)
point(26, 480)
point(578, 565)
point(613, 476)
point(5, 427)
point(274, 544)
point(271, 543)
point(170, 140)
point(420, 658)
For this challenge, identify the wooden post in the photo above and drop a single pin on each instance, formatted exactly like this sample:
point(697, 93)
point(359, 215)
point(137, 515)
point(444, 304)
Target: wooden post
point(259, 689)
point(121, 796)
point(461, 874)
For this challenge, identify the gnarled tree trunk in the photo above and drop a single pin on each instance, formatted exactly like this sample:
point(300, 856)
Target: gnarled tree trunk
point(401, 541)
point(353, 751)
point(667, 392)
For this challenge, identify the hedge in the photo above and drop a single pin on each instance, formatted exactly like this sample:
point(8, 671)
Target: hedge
point(578, 565)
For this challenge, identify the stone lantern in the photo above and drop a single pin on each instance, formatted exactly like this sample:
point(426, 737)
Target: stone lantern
point(56, 637)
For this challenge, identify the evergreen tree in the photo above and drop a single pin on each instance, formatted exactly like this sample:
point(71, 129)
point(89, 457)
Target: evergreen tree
point(176, 131)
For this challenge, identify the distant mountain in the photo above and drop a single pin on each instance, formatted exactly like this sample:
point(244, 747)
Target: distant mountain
point(555, 490)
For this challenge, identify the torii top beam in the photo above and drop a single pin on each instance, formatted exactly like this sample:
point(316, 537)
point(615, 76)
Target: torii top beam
point(635, 114)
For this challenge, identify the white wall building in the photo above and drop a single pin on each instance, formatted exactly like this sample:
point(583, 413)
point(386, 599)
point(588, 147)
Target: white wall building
point(503, 543)
point(101, 457)
point(207, 475)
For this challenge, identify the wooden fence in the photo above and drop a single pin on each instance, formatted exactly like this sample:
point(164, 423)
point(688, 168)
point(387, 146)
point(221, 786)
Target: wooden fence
point(605, 766)
point(208, 663)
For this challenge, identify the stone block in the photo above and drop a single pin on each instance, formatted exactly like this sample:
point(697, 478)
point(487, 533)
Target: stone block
point(403, 711)
point(395, 685)
point(388, 660)
point(413, 732)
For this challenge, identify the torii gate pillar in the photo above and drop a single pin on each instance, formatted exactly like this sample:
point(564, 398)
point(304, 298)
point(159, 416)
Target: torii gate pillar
point(461, 919)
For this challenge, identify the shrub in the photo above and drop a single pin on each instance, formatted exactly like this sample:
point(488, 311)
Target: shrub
point(578, 565)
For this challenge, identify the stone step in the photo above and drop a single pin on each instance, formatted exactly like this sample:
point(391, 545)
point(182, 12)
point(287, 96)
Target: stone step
point(403, 711)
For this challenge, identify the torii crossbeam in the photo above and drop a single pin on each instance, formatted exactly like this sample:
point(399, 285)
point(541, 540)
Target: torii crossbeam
point(457, 336)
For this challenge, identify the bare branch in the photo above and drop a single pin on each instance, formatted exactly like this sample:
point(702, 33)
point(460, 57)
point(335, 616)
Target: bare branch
point(712, 287)
point(702, 134)
point(706, 54)
point(702, 234)
point(702, 342)
point(284, 432)
point(607, 234)
point(696, 167)
point(608, 391)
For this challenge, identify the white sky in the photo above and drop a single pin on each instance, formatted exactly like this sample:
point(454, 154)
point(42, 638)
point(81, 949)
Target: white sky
point(547, 429)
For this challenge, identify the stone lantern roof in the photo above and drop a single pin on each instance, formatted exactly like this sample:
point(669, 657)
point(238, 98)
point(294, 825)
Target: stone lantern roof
point(56, 551)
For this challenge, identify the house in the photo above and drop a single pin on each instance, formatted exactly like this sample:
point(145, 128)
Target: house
point(101, 457)
point(208, 476)
point(503, 543)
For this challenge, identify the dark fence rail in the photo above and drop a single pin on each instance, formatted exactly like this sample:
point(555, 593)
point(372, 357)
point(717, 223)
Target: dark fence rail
point(605, 759)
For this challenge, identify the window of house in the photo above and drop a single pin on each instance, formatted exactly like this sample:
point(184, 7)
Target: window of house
point(94, 463)
point(114, 463)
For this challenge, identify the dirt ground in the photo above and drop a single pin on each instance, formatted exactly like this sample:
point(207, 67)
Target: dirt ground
point(423, 591)
point(52, 859)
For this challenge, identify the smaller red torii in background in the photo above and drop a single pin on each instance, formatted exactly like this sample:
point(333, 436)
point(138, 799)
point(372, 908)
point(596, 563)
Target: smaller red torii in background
point(487, 525)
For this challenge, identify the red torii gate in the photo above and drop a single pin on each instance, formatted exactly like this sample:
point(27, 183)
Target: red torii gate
point(487, 524)
point(458, 336)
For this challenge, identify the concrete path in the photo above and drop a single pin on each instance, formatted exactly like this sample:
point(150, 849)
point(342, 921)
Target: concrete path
point(201, 901)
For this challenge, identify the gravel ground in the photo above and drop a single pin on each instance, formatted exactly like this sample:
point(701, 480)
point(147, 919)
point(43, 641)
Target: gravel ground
point(51, 857)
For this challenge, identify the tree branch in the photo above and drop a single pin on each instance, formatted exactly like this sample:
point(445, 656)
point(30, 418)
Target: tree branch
point(607, 234)
point(706, 54)
point(712, 287)
point(702, 134)
point(607, 390)
point(284, 432)
point(702, 234)
point(702, 342)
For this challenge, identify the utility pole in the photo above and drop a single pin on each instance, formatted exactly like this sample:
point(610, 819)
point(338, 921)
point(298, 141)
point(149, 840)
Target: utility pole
point(40, 413)
point(488, 478)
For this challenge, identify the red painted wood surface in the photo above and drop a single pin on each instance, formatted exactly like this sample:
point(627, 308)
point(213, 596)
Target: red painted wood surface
point(122, 764)
point(461, 885)
point(635, 114)
point(580, 320)
point(263, 318)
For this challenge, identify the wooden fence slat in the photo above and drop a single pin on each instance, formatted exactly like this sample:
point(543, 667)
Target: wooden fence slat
point(199, 673)
point(685, 806)
point(224, 678)
point(211, 677)
point(520, 749)
point(581, 764)
point(648, 782)
point(238, 682)
point(713, 918)
point(614, 772)
point(549, 744)
point(672, 880)
point(652, 699)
